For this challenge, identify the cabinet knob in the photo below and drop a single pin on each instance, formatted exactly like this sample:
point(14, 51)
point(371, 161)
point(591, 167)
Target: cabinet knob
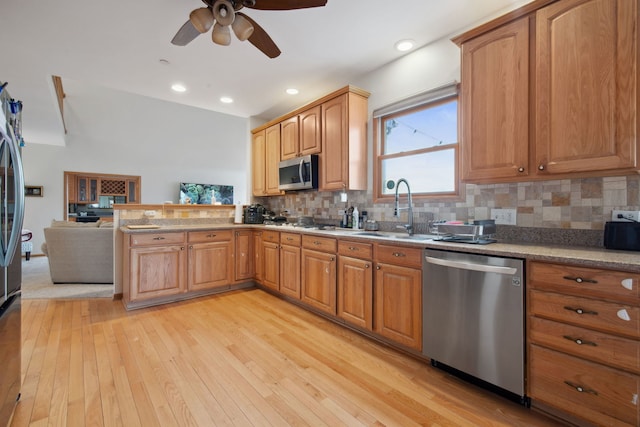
point(378, 267)
point(332, 258)
point(541, 167)
point(580, 388)
point(520, 169)
point(398, 254)
point(366, 266)
point(351, 248)
point(158, 238)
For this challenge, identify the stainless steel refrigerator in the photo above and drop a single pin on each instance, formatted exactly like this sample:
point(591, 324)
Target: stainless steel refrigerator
point(11, 217)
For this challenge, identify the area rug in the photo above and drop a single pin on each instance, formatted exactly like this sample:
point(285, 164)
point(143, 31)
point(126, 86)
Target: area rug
point(36, 283)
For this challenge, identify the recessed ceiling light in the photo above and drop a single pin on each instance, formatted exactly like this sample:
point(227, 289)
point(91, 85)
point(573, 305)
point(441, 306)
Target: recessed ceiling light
point(226, 100)
point(292, 91)
point(178, 87)
point(404, 45)
point(163, 61)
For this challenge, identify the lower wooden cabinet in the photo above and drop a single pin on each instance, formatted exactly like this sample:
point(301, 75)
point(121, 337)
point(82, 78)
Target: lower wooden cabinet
point(584, 342)
point(290, 264)
point(319, 273)
point(258, 258)
point(244, 252)
point(398, 295)
point(355, 283)
point(156, 265)
point(271, 259)
point(211, 259)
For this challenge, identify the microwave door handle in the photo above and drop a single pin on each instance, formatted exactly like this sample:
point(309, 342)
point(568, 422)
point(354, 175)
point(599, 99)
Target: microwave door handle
point(300, 171)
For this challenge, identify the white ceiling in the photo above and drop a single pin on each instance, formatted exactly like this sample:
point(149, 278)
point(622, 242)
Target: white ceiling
point(119, 44)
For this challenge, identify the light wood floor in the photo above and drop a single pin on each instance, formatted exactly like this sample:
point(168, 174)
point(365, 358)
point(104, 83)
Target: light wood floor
point(239, 359)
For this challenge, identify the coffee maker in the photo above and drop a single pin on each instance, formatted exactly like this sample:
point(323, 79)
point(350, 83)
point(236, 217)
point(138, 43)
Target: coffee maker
point(254, 214)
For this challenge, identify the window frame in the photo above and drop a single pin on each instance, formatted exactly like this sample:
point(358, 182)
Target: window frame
point(379, 141)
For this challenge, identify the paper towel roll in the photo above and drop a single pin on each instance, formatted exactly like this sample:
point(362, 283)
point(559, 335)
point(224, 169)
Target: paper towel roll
point(238, 219)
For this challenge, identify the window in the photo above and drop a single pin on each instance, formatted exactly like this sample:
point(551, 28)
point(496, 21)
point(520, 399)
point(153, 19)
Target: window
point(417, 139)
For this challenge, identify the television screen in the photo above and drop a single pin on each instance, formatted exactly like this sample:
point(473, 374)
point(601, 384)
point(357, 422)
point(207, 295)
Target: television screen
point(205, 194)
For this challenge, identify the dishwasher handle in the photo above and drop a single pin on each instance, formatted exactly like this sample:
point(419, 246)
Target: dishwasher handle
point(472, 266)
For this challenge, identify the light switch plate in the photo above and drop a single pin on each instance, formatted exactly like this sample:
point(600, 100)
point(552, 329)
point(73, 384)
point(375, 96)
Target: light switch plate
point(504, 216)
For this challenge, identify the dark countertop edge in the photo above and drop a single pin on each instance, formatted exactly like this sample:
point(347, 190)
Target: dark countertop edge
point(583, 256)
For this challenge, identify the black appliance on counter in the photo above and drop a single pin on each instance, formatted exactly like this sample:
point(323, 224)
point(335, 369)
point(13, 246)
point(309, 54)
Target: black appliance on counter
point(11, 218)
point(622, 235)
point(254, 214)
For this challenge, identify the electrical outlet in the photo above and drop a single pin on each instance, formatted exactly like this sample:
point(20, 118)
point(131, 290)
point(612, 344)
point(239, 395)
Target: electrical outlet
point(504, 216)
point(624, 216)
point(149, 213)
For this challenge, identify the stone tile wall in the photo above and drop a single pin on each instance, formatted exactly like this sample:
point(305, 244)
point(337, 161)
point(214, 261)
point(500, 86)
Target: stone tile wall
point(580, 204)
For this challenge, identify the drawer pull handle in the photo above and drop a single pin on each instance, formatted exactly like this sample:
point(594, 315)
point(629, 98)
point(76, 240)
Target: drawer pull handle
point(579, 279)
point(398, 254)
point(158, 238)
point(580, 310)
point(581, 389)
point(315, 242)
point(211, 235)
point(289, 239)
point(352, 248)
point(579, 341)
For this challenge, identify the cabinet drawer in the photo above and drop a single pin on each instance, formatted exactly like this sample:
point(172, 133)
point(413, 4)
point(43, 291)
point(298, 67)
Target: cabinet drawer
point(602, 395)
point(355, 249)
point(291, 239)
point(398, 255)
point(209, 236)
point(585, 312)
point(583, 281)
point(596, 346)
point(324, 244)
point(152, 239)
point(271, 236)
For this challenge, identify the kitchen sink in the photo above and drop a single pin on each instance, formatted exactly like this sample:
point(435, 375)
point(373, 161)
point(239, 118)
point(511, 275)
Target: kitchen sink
point(370, 233)
point(416, 236)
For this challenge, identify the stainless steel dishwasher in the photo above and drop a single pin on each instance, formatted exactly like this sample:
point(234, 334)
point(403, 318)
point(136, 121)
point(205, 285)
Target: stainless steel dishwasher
point(473, 316)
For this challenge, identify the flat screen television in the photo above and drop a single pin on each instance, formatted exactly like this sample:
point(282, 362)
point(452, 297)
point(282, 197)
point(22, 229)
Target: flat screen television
point(205, 194)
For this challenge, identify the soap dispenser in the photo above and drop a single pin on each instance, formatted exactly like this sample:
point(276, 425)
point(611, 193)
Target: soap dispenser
point(356, 218)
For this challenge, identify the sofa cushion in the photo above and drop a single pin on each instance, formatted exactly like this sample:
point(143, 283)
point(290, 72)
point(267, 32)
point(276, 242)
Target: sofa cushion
point(56, 223)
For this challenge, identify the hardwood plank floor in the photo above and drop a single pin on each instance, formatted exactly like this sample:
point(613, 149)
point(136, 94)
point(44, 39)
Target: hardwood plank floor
point(240, 359)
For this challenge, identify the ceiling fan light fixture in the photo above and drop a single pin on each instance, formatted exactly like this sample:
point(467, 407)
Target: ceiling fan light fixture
point(202, 19)
point(221, 35)
point(242, 28)
point(223, 12)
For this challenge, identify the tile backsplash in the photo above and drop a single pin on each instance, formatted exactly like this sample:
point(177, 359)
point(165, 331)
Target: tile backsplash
point(581, 204)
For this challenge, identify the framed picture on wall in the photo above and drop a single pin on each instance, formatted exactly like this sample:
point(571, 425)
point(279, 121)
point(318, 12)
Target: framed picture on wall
point(32, 190)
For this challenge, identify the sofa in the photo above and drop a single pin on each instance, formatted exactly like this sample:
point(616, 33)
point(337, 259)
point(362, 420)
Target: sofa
point(79, 252)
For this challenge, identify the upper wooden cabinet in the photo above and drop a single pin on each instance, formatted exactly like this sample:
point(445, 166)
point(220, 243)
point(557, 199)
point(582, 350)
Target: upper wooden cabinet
point(495, 103)
point(258, 156)
point(545, 95)
point(335, 127)
point(272, 160)
point(301, 134)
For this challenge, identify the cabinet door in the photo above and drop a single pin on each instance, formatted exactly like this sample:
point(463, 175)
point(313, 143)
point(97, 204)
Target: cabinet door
point(310, 131)
point(495, 104)
point(133, 192)
point(272, 162)
point(290, 270)
point(398, 304)
point(333, 162)
point(258, 163)
point(586, 55)
point(258, 260)
point(83, 189)
point(319, 280)
point(72, 188)
point(210, 265)
point(289, 138)
point(157, 272)
point(271, 265)
point(355, 291)
point(244, 255)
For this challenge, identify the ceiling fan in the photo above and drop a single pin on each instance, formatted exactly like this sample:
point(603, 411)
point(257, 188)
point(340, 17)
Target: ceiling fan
point(222, 14)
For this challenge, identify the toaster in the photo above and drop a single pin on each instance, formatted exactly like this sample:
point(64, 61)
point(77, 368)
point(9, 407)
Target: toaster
point(622, 235)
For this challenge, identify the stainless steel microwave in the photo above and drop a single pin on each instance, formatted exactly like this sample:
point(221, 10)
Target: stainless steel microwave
point(300, 173)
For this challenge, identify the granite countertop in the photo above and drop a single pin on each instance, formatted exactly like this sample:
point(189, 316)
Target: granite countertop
point(585, 256)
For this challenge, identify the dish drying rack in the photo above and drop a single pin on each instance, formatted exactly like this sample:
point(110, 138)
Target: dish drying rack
point(480, 232)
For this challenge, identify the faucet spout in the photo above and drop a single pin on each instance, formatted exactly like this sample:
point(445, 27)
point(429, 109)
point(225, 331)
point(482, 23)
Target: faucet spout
point(396, 211)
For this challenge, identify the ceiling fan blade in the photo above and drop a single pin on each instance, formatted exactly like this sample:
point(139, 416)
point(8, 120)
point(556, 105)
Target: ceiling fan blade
point(286, 4)
point(261, 39)
point(185, 34)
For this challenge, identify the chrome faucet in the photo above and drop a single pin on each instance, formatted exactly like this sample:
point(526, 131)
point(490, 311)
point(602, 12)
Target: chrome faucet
point(409, 226)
